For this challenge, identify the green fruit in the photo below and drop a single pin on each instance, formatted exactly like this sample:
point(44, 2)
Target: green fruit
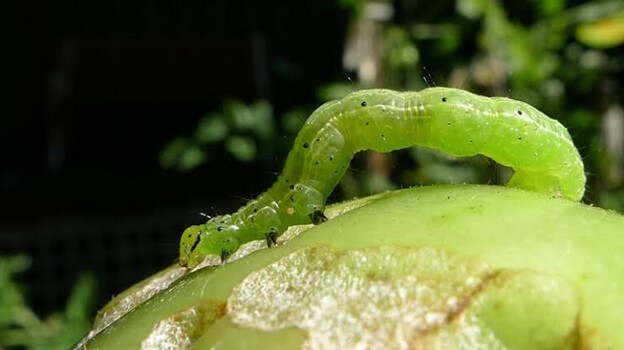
point(433, 267)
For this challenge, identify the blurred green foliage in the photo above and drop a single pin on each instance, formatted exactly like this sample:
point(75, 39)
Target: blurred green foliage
point(564, 57)
point(21, 328)
point(241, 130)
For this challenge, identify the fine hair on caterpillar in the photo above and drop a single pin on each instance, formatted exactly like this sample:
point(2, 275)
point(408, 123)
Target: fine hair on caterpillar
point(459, 123)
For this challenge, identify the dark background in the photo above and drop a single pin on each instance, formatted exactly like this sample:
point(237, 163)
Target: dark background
point(95, 91)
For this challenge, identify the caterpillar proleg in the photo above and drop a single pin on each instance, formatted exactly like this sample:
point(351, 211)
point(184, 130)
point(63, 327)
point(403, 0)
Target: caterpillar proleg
point(457, 122)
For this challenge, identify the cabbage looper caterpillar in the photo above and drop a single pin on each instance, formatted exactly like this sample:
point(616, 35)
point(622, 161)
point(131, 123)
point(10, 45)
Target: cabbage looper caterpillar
point(513, 133)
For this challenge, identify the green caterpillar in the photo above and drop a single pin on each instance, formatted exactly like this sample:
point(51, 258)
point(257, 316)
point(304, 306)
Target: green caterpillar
point(513, 133)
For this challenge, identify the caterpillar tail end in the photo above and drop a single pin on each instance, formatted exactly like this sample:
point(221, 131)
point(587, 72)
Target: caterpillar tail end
point(555, 186)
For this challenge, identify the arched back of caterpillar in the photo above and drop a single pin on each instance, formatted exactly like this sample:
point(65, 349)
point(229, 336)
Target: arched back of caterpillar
point(513, 133)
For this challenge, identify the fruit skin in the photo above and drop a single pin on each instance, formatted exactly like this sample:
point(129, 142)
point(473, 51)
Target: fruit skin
point(505, 228)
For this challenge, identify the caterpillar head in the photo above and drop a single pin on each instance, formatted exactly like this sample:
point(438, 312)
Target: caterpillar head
point(199, 241)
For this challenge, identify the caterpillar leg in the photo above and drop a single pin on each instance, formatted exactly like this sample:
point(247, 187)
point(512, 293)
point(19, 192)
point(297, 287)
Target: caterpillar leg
point(318, 217)
point(224, 255)
point(308, 201)
point(271, 238)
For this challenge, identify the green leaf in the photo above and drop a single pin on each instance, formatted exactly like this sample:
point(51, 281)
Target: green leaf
point(242, 148)
point(182, 154)
point(11, 299)
point(211, 129)
point(606, 33)
point(82, 298)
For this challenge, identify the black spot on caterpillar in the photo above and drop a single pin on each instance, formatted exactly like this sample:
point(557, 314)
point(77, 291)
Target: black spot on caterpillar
point(513, 133)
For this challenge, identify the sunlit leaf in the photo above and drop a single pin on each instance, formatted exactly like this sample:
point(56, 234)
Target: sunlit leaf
point(606, 33)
